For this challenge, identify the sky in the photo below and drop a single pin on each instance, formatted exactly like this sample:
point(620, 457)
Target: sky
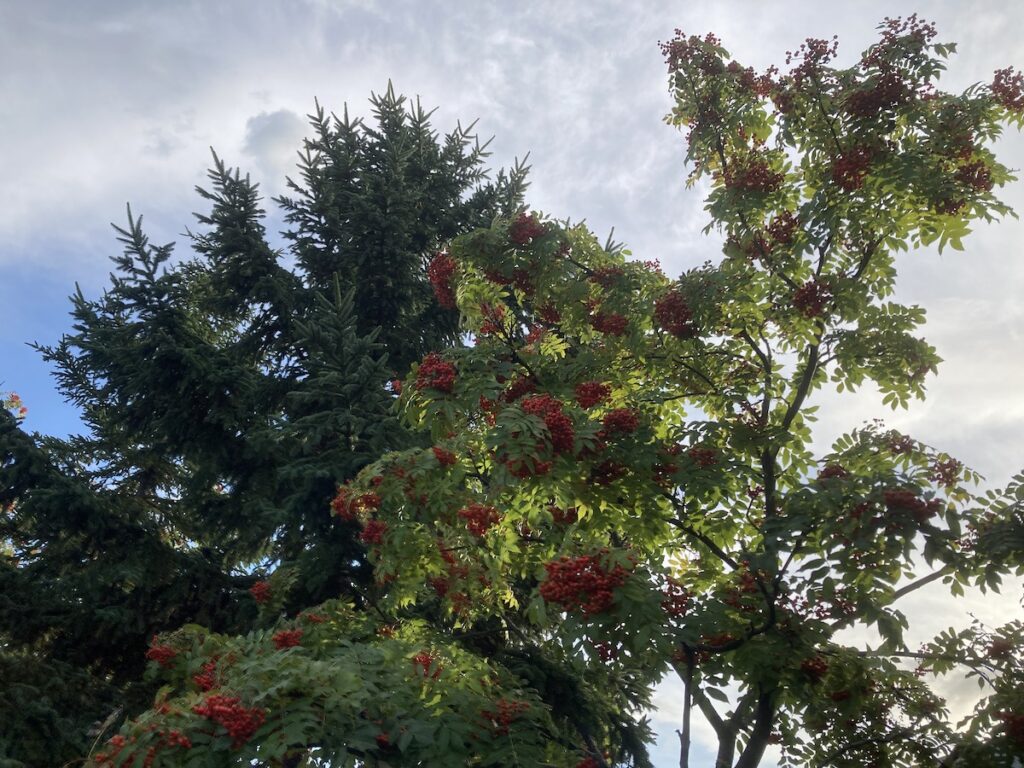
point(104, 103)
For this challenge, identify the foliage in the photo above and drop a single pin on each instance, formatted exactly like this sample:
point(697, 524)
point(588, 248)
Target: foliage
point(225, 396)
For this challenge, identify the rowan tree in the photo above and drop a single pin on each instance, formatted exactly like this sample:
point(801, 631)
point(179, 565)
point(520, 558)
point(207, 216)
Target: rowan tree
point(620, 483)
point(224, 397)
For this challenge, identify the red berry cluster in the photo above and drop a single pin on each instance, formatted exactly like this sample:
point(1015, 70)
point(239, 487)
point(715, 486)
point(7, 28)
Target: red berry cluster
point(833, 472)
point(425, 660)
point(693, 50)
point(563, 516)
point(782, 228)
point(525, 228)
point(175, 738)
point(588, 762)
point(850, 168)
point(815, 668)
point(444, 457)
point(582, 583)
point(549, 314)
point(261, 592)
point(918, 30)
point(606, 651)
point(752, 173)
point(521, 385)
point(899, 500)
point(383, 740)
point(610, 324)
point(750, 81)
point(504, 715)
point(1013, 723)
point(287, 638)
point(591, 393)
point(1000, 648)
point(675, 599)
point(347, 507)
point(607, 277)
point(494, 319)
point(886, 92)
point(479, 518)
point(703, 457)
point(525, 468)
point(560, 427)
point(162, 654)
point(240, 722)
point(811, 55)
point(365, 503)
point(946, 473)
point(436, 373)
point(621, 421)
point(535, 334)
point(208, 678)
point(672, 313)
point(1008, 88)
point(899, 444)
point(607, 472)
point(314, 618)
point(811, 298)
point(340, 504)
point(975, 175)
point(440, 272)
point(373, 532)
point(719, 640)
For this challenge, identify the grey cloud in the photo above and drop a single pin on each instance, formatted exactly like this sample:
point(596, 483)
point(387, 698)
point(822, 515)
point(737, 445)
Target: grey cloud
point(272, 140)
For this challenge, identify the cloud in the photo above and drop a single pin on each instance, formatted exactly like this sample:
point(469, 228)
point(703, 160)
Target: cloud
point(272, 140)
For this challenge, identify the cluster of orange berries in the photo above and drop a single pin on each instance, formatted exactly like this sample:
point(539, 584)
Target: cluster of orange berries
point(427, 663)
point(287, 638)
point(850, 168)
point(117, 743)
point(811, 297)
point(607, 277)
point(752, 173)
point(507, 711)
point(436, 373)
point(444, 457)
point(703, 457)
point(610, 324)
point(226, 711)
point(525, 229)
point(887, 91)
point(559, 426)
point(261, 592)
point(815, 668)
point(440, 272)
point(675, 599)
point(207, 678)
point(479, 518)
point(898, 500)
point(582, 583)
point(621, 420)
point(674, 315)
point(494, 319)
point(591, 393)
point(162, 654)
point(1008, 88)
point(833, 472)
point(348, 507)
point(373, 532)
